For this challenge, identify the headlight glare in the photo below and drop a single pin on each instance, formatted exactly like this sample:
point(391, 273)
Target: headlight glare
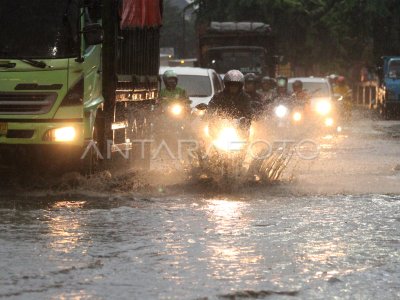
point(281, 111)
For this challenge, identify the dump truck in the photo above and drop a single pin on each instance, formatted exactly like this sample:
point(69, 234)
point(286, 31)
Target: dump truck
point(245, 46)
point(78, 79)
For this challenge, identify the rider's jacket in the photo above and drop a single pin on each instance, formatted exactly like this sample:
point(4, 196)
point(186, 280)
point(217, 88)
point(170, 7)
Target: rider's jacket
point(301, 96)
point(176, 95)
point(233, 106)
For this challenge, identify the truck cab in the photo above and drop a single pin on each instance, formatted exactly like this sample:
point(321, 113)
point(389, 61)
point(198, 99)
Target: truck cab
point(242, 58)
point(50, 82)
point(389, 101)
point(245, 46)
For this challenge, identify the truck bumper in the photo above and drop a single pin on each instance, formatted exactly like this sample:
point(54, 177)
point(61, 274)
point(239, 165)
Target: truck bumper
point(33, 132)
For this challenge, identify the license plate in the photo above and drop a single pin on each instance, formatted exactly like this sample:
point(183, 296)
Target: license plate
point(3, 128)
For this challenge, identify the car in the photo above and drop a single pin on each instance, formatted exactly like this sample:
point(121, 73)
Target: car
point(316, 87)
point(200, 84)
point(325, 107)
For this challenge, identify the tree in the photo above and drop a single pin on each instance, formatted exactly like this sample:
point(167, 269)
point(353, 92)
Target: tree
point(330, 33)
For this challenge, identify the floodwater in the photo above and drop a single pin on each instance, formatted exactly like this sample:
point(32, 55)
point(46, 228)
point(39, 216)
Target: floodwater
point(329, 230)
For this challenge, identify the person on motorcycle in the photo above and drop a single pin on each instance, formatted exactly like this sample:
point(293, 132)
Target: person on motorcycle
point(299, 93)
point(344, 90)
point(232, 102)
point(250, 87)
point(332, 80)
point(172, 92)
point(268, 89)
point(282, 88)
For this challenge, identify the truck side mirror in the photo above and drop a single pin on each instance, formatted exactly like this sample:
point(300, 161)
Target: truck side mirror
point(93, 34)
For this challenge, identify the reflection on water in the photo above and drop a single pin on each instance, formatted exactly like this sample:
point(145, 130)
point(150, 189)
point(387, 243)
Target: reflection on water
point(313, 248)
point(230, 258)
point(65, 230)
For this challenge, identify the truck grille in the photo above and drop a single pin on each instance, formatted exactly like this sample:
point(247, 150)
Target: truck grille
point(26, 103)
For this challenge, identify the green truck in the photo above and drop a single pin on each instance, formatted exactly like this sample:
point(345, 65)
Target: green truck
point(78, 78)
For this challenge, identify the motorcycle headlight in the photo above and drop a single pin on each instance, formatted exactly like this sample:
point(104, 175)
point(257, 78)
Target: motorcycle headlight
point(281, 111)
point(176, 109)
point(198, 112)
point(228, 139)
point(323, 107)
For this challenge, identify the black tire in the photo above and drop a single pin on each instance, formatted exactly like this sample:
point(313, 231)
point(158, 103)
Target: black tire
point(140, 130)
point(91, 163)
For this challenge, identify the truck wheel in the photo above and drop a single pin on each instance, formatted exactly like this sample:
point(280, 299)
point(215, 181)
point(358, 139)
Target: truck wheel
point(91, 163)
point(383, 111)
point(141, 130)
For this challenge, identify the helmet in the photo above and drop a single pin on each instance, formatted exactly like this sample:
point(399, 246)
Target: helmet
point(169, 74)
point(297, 84)
point(266, 79)
point(269, 80)
point(332, 76)
point(251, 77)
point(341, 79)
point(234, 76)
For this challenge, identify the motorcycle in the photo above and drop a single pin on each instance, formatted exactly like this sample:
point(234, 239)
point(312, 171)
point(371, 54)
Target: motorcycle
point(292, 118)
point(286, 118)
point(222, 148)
point(325, 116)
point(172, 123)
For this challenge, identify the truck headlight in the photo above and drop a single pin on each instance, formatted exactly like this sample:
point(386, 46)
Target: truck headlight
point(281, 111)
point(61, 135)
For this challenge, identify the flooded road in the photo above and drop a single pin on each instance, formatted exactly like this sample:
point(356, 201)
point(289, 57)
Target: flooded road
point(331, 232)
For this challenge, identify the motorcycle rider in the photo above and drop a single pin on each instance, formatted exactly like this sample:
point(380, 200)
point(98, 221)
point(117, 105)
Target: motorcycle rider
point(232, 101)
point(299, 93)
point(172, 92)
point(250, 87)
point(282, 88)
point(343, 89)
point(332, 80)
point(268, 89)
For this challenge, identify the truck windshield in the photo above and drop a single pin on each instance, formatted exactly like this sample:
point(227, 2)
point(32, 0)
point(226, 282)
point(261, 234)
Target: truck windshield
point(244, 60)
point(394, 68)
point(38, 29)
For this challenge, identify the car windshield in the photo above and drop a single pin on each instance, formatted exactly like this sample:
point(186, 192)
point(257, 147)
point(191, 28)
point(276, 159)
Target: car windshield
point(394, 68)
point(38, 29)
point(244, 60)
point(315, 89)
point(195, 85)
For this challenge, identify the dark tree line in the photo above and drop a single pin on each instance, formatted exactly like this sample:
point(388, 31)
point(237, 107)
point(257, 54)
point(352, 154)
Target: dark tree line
point(331, 34)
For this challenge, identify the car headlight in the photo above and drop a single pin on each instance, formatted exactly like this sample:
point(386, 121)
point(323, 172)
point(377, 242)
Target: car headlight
point(323, 107)
point(281, 111)
point(329, 122)
point(62, 135)
point(297, 116)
